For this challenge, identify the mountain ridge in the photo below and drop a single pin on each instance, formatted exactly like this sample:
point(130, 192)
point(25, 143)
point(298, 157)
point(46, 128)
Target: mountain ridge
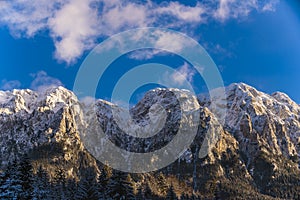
point(258, 145)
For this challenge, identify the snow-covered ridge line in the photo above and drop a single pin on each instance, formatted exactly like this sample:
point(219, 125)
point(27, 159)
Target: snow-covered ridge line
point(24, 98)
point(252, 116)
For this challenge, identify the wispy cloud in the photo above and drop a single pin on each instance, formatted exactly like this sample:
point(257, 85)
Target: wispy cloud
point(117, 15)
point(236, 9)
point(155, 41)
point(9, 85)
point(182, 12)
point(76, 25)
point(26, 18)
point(180, 77)
point(184, 73)
point(88, 100)
point(224, 9)
point(219, 50)
point(270, 6)
point(42, 81)
point(145, 54)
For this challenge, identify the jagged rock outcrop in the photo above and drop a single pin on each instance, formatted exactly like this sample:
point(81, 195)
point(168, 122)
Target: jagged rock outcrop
point(43, 125)
point(267, 129)
point(262, 122)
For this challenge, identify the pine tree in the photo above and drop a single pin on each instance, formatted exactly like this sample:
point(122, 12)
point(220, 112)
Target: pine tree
point(148, 192)
point(217, 192)
point(26, 178)
point(171, 195)
point(17, 180)
point(120, 187)
point(140, 194)
point(41, 184)
point(87, 187)
point(59, 183)
point(184, 196)
point(12, 185)
point(195, 156)
point(130, 187)
point(71, 189)
point(103, 179)
point(162, 184)
point(3, 177)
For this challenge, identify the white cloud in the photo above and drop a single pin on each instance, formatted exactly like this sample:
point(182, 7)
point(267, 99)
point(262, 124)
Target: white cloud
point(9, 85)
point(180, 78)
point(169, 41)
point(182, 12)
point(184, 73)
point(236, 8)
point(270, 6)
point(74, 29)
point(118, 16)
point(219, 50)
point(156, 42)
point(223, 11)
point(88, 100)
point(145, 54)
point(75, 25)
point(42, 81)
point(26, 18)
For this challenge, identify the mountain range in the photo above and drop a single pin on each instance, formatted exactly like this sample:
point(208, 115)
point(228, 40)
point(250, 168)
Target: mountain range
point(255, 155)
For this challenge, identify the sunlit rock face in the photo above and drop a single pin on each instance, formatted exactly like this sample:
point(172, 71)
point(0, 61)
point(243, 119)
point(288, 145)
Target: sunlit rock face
point(44, 126)
point(262, 122)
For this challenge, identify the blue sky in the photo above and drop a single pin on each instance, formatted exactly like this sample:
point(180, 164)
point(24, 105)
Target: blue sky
point(43, 43)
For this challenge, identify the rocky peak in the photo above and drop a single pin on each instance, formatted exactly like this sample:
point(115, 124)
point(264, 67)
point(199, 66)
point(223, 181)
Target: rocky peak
point(286, 100)
point(262, 122)
point(157, 114)
point(39, 120)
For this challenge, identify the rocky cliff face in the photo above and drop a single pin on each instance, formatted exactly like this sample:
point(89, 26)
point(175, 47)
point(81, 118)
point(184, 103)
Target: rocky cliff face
point(266, 128)
point(255, 153)
point(42, 125)
point(262, 122)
